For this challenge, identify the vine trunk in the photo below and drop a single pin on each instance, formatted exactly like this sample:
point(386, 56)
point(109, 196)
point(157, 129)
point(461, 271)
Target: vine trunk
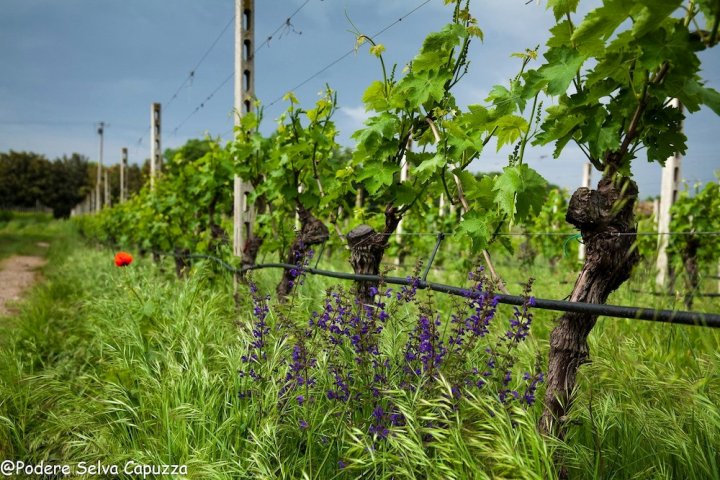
point(367, 248)
point(599, 215)
point(312, 232)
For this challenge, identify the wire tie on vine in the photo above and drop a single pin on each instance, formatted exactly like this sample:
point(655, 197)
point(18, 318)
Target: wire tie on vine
point(576, 236)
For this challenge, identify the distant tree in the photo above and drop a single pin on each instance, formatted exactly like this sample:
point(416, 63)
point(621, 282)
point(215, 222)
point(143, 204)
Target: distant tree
point(28, 179)
point(67, 184)
point(23, 179)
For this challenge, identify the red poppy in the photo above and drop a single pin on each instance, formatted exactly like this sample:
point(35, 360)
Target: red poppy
point(123, 259)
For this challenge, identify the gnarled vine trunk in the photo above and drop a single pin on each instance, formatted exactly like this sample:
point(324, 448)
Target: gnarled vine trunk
point(312, 232)
point(182, 262)
point(599, 214)
point(253, 242)
point(367, 248)
point(218, 235)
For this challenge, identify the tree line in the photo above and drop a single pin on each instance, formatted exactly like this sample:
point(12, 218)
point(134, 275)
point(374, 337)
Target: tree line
point(30, 180)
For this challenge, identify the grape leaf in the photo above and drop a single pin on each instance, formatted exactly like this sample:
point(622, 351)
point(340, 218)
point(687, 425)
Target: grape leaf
point(652, 14)
point(703, 95)
point(375, 97)
point(562, 7)
point(418, 89)
point(475, 226)
point(562, 65)
point(520, 190)
point(600, 23)
point(501, 99)
point(509, 129)
point(376, 175)
point(428, 167)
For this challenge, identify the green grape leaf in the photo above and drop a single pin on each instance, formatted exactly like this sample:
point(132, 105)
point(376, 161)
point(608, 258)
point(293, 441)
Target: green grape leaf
point(560, 35)
point(417, 89)
point(429, 167)
point(444, 40)
point(475, 226)
point(559, 125)
point(702, 95)
point(375, 97)
point(502, 100)
point(562, 65)
point(599, 24)
point(520, 190)
point(479, 193)
point(652, 14)
point(509, 129)
point(376, 176)
point(562, 7)
point(404, 194)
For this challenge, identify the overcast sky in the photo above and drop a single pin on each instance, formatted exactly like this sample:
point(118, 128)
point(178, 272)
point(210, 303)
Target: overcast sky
point(69, 64)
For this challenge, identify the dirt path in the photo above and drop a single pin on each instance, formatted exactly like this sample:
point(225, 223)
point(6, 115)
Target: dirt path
point(17, 274)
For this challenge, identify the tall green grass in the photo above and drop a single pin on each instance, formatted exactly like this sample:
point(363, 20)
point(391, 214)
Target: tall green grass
point(108, 364)
point(20, 233)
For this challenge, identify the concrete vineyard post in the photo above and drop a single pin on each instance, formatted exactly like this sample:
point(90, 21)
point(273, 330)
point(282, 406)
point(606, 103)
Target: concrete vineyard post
point(106, 188)
point(123, 166)
point(243, 212)
point(297, 214)
point(98, 193)
point(155, 143)
point(668, 195)
point(403, 178)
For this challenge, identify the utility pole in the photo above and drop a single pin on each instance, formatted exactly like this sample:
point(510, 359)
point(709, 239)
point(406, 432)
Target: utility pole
point(98, 197)
point(668, 195)
point(587, 178)
point(155, 146)
point(243, 212)
point(123, 166)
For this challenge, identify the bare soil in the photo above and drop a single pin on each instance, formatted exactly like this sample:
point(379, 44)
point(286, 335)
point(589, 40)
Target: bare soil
point(17, 274)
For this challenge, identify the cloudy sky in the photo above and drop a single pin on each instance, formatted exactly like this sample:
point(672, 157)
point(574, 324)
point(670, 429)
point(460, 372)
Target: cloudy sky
point(69, 64)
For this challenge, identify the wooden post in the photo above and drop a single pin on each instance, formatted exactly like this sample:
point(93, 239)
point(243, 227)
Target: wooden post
point(668, 194)
point(123, 166)
point(243, 212)
point(586, 180)
point(155, 144)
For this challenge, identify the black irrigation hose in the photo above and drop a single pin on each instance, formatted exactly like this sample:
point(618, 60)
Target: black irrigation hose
point(634, 313)
point(665, 316)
